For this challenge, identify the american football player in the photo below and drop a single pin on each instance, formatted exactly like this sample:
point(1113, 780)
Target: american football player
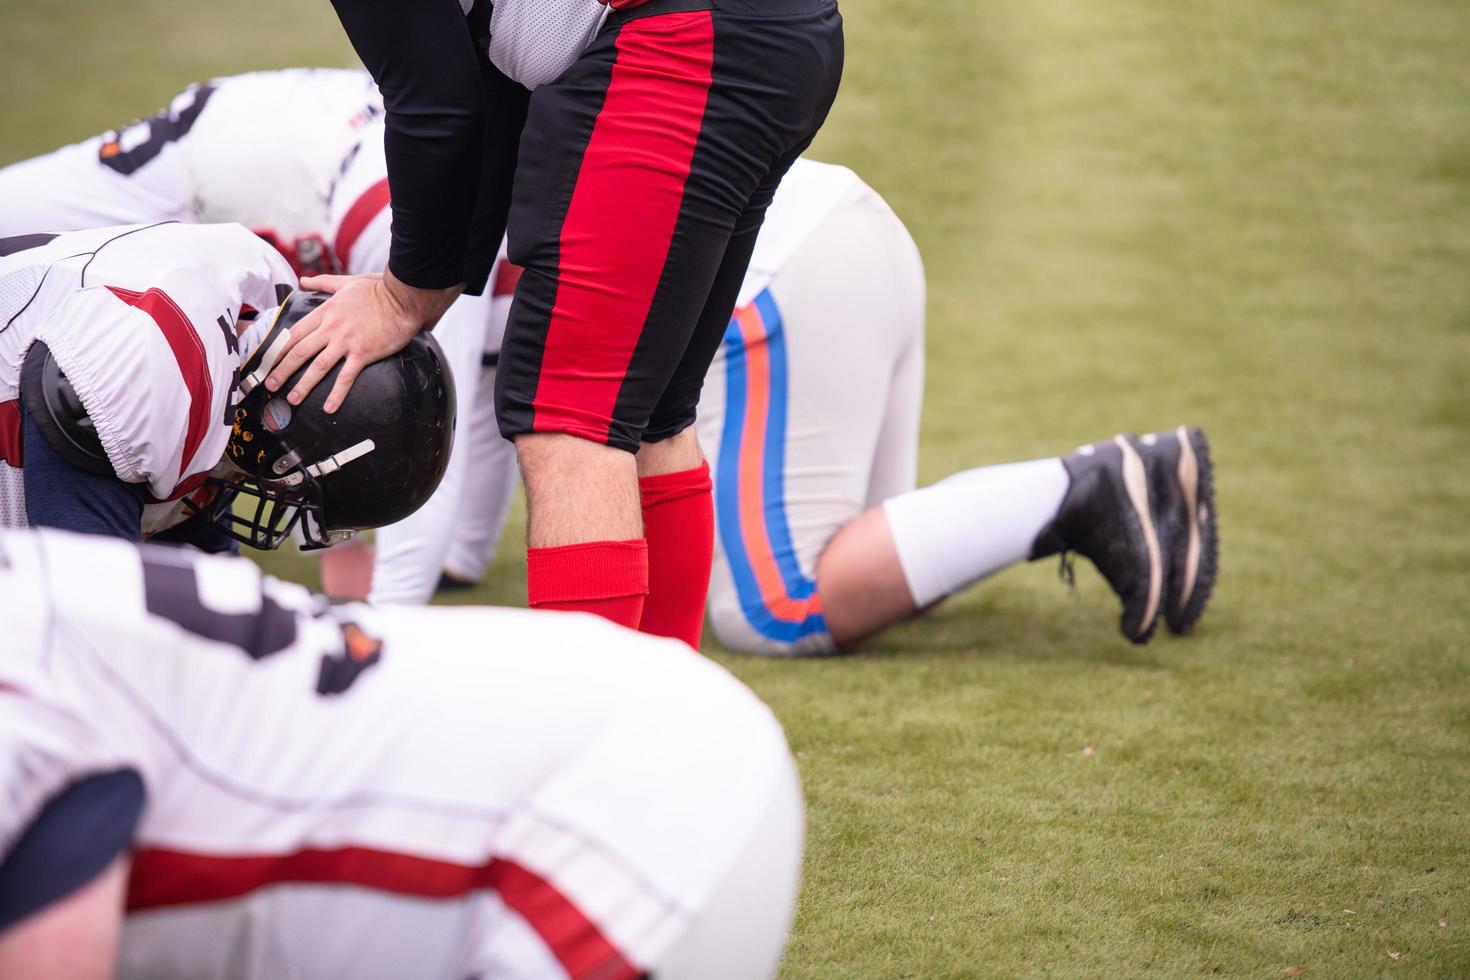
point(130, 403)
point(190, 162)
point(208, 773)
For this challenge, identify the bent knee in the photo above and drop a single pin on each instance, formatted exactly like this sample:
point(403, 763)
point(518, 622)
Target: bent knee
point(736, 631)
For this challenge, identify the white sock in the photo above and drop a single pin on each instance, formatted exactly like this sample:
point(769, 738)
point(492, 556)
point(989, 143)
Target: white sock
point(955, 532)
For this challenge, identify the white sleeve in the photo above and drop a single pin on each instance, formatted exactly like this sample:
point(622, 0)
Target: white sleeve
point(153, 369)
point(151, 344)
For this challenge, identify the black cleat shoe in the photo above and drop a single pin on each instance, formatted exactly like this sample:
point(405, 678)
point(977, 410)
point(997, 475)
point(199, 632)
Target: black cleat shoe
point(1106, 517)
point(1183, 482)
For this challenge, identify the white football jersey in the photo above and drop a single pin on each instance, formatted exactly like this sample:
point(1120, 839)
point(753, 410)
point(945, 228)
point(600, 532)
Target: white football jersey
point(352, 792)
point(145, 321)
point(267, 147)
point(261, 149)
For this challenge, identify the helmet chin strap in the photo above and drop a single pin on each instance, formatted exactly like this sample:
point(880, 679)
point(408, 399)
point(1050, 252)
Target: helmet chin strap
point(336, 461)
point(268, 358)
point(321, 467)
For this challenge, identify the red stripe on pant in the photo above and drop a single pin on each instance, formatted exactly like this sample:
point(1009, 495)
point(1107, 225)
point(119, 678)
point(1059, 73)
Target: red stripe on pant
point(161, 878)
point(188, 352)
point(620, 223)
point(11, 448)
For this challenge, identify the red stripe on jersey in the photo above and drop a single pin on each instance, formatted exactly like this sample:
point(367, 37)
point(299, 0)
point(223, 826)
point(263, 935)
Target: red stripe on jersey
point(11, 448)
point(620, 223)
point(161, 878)
point(189, 352)
point(575, 941)
point(367, 207)
point(507, 274)
point(183, 489)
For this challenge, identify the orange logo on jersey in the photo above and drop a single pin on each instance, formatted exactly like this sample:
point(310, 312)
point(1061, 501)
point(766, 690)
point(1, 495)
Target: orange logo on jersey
point(359, 652)
point(360, 646)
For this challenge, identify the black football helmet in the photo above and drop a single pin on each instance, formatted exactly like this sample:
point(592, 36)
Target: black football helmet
point(374, 461)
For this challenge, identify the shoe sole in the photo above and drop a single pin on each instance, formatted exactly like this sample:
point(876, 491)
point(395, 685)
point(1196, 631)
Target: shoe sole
point(1135, 482)
point(1200, 555)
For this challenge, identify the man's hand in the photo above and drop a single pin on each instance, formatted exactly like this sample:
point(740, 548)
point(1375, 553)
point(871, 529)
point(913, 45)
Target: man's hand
point(368, 318)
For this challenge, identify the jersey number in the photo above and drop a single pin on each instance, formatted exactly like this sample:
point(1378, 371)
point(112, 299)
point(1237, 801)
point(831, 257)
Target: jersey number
point(171, 591)
point(164, 128)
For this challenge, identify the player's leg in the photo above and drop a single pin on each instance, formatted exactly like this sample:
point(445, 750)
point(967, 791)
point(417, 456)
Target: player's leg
point(493, 478)
point(674, 483)
point(793, 412)
point(74, 939)
point(1117, 502)
point(410, 554)
point(619, 272)
point(859, 577)
point(920, 546)
point(677, 491)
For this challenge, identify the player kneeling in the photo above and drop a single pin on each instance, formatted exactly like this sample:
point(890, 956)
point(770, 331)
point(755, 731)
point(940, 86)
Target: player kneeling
point(211, 773)
point(130, 402)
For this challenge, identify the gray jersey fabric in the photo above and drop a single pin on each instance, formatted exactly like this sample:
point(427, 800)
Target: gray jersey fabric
point(534, 41)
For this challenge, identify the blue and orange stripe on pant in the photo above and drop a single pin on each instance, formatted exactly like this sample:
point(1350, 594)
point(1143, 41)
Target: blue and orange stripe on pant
point(778, 600)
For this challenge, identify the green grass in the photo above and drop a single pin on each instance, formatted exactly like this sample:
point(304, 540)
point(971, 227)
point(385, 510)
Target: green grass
point(1253, 216)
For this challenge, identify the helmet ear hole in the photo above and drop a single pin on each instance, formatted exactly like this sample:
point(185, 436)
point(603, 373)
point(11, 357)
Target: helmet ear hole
point(276, 414)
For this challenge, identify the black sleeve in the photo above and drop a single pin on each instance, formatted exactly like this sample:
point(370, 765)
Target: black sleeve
point(506, 104)
point(421, 54)
point(71, 841)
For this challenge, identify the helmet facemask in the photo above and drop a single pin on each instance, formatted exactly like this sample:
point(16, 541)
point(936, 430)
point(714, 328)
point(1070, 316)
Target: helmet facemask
point(272, 509)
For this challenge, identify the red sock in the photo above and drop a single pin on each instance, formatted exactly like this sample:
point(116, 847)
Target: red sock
point(609, 578)
point(679, 525)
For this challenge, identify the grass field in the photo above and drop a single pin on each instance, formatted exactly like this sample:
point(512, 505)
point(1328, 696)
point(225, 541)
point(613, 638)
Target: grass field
point(1253, 216)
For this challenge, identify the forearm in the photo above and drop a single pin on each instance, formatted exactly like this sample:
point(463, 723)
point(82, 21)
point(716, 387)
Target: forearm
point(418, 305)
point(74, 939)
